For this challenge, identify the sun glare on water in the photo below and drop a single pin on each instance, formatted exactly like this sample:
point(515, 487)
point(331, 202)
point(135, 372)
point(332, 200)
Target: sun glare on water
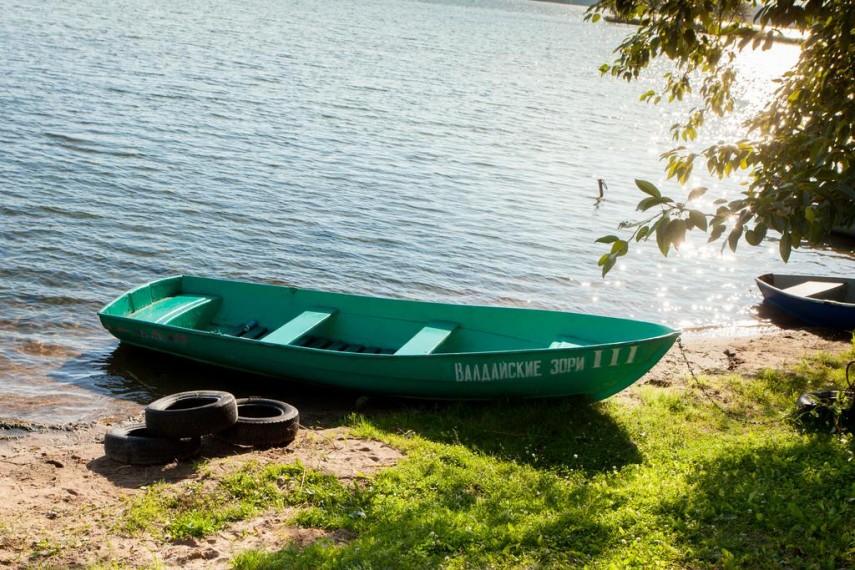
point(758, 69)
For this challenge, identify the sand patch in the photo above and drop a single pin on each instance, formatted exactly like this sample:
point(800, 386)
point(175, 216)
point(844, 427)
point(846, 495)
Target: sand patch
point(61, 497)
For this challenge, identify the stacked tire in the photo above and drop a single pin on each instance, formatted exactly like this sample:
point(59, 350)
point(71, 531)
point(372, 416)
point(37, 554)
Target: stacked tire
point(175, 425)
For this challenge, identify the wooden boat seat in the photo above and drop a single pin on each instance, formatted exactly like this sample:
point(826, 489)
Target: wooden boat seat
point(427, 339)
point(166, 311)
point(300, 325)
point(818, 289)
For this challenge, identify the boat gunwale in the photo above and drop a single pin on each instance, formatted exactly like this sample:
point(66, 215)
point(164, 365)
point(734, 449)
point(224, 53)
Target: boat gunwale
point(289, 347)
point(376, 297)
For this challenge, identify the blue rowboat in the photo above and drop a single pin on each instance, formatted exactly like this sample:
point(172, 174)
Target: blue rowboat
point(815, 300)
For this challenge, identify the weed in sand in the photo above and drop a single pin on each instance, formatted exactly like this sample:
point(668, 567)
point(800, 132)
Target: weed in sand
point(196, 509)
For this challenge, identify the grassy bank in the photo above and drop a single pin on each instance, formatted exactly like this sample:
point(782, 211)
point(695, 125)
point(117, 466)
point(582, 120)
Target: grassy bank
point(714, 474)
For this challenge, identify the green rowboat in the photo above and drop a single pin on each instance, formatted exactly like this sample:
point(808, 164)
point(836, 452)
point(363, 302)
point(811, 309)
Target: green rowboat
point(388, 346)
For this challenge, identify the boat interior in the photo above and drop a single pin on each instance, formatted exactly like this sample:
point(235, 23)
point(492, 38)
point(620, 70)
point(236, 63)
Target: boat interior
point(824, 288)
point(366, 326)
point(324, 328)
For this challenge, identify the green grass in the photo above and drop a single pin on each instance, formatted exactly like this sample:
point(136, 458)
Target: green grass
point(715, 476)
point(193, 510)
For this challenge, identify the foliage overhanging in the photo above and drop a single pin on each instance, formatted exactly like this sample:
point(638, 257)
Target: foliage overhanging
point(799, 152)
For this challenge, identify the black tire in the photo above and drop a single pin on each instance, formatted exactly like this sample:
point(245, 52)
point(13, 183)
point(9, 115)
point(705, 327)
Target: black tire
point(263, 423)
point(826, 408)
point(136, 445)
point(191, 414)
point(812, 400)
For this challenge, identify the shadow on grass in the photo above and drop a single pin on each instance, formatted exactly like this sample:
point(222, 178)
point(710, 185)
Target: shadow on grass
point(788, 505)
point(559, 433)
point(424, 536)
point(452, 509)
point(566, 434)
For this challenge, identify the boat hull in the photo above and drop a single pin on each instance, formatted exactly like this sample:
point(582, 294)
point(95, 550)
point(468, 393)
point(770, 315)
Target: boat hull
point(493, 352)
point(815, 300)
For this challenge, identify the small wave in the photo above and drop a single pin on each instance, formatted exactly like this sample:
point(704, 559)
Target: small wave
point(74, 214)
point(68, 139)
point(43, 349)
point(118, 90)
point(90, 146)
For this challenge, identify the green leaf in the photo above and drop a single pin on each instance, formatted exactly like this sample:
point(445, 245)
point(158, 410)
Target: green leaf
point(620, 247)
point(755, 237)
point(810, 215)
point(607, 239)
point(648, 188)
point(648, 203)
point(751, 238)
point(697, 193)
point(733, 238)
point(676, 232)
point(717, 232)
point(607, 261)
point(785, 247)
point(698, 219)
point(662, 235)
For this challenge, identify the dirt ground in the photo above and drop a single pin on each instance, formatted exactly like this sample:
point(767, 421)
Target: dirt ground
point(60, 496)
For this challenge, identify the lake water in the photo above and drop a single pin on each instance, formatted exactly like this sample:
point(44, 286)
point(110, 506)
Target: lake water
point(444, 150)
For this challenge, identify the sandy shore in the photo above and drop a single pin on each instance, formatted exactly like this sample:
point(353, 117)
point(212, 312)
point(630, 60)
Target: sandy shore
point(61, 496)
